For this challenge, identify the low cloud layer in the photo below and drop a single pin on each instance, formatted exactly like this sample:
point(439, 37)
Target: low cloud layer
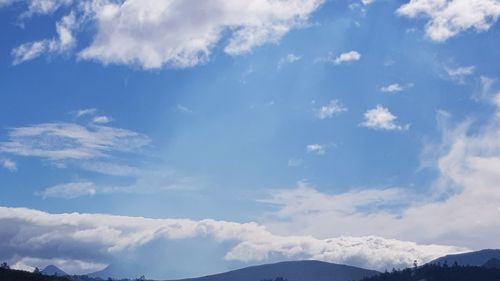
point(30, 236)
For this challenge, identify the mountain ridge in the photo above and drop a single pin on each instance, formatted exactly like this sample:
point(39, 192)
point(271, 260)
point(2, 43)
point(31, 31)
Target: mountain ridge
point(305, 270)
point(52, 270)
point(474, 258)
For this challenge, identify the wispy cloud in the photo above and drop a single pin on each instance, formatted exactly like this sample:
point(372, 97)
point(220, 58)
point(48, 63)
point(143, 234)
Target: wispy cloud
point(460, 73)
point(290, 58)
point(331, 109)
point(319, 149)
point(392, 88)
point(71, 141)
point(295, 162)
point(85, 112)
point(8, 164)
point(184, 109)
point(144, 181)
point(62, 43)
point(69, 190)
point(380, 118)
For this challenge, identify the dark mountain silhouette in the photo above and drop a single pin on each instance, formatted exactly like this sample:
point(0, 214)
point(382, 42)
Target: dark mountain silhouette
point(293, 271)
point(439, 272)
point(53, 270)
point(19, 275)
point(492, 263)
point(118, 271)
point(477, 258)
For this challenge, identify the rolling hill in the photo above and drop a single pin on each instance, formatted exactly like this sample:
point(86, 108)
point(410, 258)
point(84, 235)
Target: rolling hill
point(293, 271)
point(477, 258)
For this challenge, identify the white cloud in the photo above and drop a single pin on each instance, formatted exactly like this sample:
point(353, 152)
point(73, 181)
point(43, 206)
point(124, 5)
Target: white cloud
point(185, 38)
point(463, 201)
point(319, 149)
point(176, 33)
point(85, 112)
point(95, 238)
point(290, 58)
point(392, 88)
point(102, 119)
point(380, 118)
point(460, 73)
point(447, 18)
point(295, 162)
point(108, 168)
point(64, 42)
point(184, 109)
point(71, 141)
point(347, 57)
point(367, 2)
point(38, 6)
point(144, 181)
point(331, 109)
point(8, 164)
point(69, 190)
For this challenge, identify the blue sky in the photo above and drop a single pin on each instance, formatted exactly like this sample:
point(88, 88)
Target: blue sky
point(314, 120)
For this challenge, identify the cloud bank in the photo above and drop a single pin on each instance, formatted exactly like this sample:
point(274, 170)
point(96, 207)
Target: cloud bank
point(92, 239)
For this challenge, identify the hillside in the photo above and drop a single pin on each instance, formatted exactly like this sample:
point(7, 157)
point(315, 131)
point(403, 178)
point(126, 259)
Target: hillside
point(477, 258)
point(435, 272)
point(293, 271)
point(19, 275)
point(53, 270)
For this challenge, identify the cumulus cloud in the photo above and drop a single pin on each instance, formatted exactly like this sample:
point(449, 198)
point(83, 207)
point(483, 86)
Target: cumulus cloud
point(95, 238)
point(8, 164)
point(331, 109)
point(59, 141)
point(339, 59)
point(380, 118)
point(176, 33)
point(463, 201)
point(347, 57)
point(447, 18)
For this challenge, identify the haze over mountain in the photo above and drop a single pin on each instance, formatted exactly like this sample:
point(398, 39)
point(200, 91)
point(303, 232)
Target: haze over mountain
point(492, 263)
point(53, 270)
point(476, 258)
